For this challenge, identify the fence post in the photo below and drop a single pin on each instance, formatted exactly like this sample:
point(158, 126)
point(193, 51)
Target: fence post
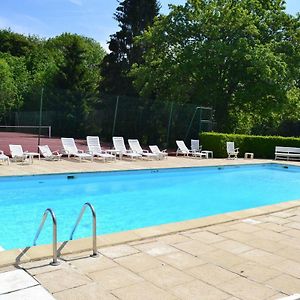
point(169, 124)
point(40, 120)
point(115, 117)
point(190, 125)
point(200, 120)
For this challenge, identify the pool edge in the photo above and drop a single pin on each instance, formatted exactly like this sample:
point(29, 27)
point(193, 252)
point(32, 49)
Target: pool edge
point(28, 254)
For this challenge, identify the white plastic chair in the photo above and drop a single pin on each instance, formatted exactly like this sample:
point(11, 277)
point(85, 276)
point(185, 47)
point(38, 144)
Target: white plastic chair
point(95, 149)
point(135, 146)
point(70, 148)
point(4, 158)
point(231, 151)
point(195, 145)
point(120, 147)
point(48, 154)
point(17, 153)
point(161, 154)
point(183, 150)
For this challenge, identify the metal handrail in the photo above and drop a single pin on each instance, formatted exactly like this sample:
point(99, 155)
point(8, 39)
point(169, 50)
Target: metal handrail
point(95, 253)
point(54, 240)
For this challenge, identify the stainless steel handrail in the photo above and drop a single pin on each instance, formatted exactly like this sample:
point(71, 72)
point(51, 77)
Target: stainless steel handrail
point(87, 204)
point(54, 262)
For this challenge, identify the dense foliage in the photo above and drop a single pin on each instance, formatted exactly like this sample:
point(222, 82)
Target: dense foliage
point(261, 146)
point(240, 56)
point(134, 17)
point(66, 67)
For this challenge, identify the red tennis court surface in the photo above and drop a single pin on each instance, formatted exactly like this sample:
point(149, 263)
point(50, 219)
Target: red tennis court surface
point(29, 142)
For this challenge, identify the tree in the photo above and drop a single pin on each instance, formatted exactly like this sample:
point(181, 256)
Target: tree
point(239, 56)
point(134, 17)
point(14, 43)
point(74, 87)
point(8, 89)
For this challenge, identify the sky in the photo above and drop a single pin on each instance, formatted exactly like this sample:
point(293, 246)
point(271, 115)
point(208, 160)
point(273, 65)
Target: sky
point(92, 18)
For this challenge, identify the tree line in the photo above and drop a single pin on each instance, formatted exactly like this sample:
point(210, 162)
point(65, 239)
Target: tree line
point(241, 57)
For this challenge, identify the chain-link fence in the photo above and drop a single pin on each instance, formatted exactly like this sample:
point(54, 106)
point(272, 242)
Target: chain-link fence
point(151, 121)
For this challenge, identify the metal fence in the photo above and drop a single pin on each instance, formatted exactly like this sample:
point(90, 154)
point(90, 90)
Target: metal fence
point(151, 121)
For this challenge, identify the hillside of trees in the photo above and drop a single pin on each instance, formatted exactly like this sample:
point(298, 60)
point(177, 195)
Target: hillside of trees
point(240, 57)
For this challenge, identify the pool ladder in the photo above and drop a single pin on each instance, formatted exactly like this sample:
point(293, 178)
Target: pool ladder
point(55, 262)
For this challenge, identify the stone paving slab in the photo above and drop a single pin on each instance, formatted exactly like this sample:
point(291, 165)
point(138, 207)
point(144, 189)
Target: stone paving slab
point(15, 280)
point(32, 293)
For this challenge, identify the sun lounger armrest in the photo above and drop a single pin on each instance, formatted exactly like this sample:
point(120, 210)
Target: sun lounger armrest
point(64, 151)
point(145, 151)
point(1, 152)
point(236, 149)
point(56, 152)
point(80, 151)
point(165, 151)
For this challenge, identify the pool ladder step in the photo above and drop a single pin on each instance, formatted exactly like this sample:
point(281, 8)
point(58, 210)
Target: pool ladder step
point(55, 262)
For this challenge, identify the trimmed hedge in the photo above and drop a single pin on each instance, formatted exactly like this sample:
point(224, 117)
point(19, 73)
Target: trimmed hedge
point(261, 146)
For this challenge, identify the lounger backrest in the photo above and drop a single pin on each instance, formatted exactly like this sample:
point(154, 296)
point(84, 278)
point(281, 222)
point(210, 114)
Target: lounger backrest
point(154, 149)
point(230, 147)
point(16, 150)
point(195, 145)
point(287, 149)
point(119, 144)
point(183, 148)
point(45, 151)
point(69, 145)
point(135, 145)
point(93, 143)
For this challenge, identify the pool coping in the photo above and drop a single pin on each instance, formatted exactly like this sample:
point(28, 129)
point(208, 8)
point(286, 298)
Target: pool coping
point(240, 163)
point(67, 248)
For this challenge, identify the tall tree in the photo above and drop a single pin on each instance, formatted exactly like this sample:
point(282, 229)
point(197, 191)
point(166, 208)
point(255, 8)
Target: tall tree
point(239, 56)
point(74, 90)
point(134, 17)
point(14, 43)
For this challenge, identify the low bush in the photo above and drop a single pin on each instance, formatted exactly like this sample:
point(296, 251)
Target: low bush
point(261, 146)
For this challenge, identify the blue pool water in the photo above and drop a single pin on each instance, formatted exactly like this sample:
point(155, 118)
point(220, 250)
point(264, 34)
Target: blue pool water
point(133, 199)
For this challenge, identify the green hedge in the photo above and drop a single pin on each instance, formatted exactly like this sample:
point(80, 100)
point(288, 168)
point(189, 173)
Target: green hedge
point(261, 146)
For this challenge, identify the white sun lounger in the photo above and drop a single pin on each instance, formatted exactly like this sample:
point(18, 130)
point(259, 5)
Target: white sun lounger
point(95, 149)
point(48, 154)
point(231, 151)
point(4, 158)
point(183, 150)
point(70, 148)
point(17, 153)
point(161, 154)
point(136, 147)
point(120, 147)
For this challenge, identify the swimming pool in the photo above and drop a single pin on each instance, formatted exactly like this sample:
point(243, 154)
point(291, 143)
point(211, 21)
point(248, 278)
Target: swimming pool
point(127, 200)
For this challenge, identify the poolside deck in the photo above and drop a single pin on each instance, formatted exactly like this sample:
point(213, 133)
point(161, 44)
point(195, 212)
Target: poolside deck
point(253, 254)
point(73, 165)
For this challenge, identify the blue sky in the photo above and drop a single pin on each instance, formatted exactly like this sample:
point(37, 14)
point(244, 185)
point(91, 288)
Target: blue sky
point(92, 18)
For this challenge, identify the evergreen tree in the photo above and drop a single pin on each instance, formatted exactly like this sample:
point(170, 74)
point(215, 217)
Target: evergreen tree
point(134, 17)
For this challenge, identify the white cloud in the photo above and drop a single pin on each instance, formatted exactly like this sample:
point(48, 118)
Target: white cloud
point(76, 2)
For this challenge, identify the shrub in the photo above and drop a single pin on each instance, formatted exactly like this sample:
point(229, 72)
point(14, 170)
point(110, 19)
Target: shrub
point(261, 146)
